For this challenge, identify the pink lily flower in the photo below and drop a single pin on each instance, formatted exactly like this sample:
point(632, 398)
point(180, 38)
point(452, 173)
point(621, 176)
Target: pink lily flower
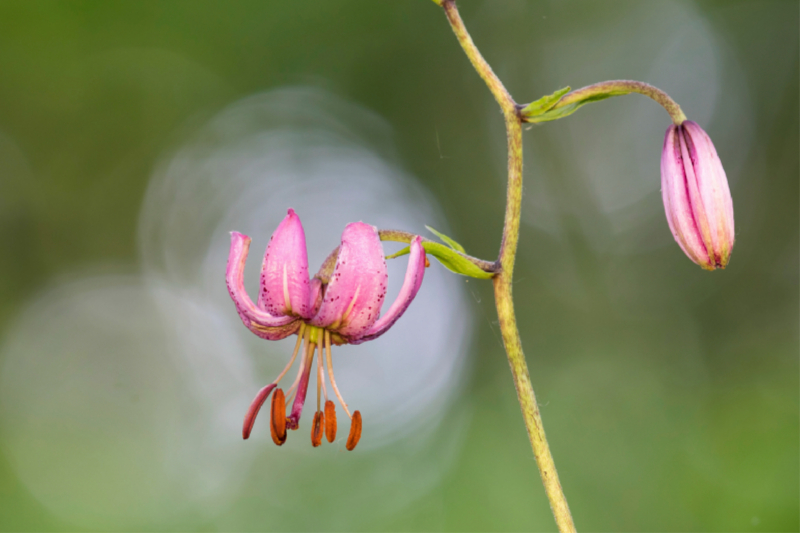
point(339, 305)
point(696, 196)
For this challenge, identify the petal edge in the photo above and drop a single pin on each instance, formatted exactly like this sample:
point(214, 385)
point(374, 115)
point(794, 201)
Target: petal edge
point(411, 284)
point(258, 321)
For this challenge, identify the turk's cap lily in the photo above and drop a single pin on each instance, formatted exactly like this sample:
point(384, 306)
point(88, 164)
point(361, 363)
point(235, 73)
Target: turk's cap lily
point(338, 306)
point(696, 196)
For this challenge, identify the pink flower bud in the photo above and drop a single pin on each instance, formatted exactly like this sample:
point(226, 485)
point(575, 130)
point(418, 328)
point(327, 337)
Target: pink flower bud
point(696, 196)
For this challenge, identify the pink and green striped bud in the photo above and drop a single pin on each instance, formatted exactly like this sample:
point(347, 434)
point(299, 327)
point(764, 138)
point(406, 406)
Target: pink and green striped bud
point(696, 196)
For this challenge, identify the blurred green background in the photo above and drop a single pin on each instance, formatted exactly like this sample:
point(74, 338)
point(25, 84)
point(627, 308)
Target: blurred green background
point(670, 395)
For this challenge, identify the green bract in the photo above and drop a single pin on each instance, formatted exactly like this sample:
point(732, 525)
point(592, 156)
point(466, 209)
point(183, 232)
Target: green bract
point(546, 109)
point(543, 104)
point(451, 259)
point(450, 242)
point(452, 256)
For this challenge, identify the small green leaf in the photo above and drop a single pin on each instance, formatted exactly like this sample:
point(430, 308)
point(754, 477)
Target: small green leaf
point(567, 110)
point(556, 114)
point(544, 103)
point(450, 259)
point(453, 244)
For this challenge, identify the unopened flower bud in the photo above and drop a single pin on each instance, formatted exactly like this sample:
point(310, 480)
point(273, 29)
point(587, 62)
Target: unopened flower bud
point(696, 196)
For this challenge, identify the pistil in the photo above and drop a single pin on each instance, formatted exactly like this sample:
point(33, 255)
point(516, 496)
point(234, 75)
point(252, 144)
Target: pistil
point(314, 337)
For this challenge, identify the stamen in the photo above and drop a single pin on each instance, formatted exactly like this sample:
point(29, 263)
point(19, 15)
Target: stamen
point(355, 431)
point(255, 407)
point(302, 388)
point(277, 418)
point(330, 372)
point(330, 421)
point(316, 429)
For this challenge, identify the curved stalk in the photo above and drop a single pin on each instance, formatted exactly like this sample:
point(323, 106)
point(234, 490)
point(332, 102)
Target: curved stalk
point(623, 87)
point(503, 279)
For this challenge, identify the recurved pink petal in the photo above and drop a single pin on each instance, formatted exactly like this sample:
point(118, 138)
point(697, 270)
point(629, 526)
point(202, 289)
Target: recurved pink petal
point(284, 272)
point(411, 285)
point(353, 298)
point(273, 333)
point(257, 320)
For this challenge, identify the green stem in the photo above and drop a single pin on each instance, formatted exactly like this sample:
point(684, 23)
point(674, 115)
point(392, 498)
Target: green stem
point(503, 280)
point(624, 87)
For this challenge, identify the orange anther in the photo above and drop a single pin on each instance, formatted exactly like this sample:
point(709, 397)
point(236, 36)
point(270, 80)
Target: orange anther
point(277, 418)
point(330, 421)
point(427, 263)
point(316, 429)
point(277, 440)
point(355, 431)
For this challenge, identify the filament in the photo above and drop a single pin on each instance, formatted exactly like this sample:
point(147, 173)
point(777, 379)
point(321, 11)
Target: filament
point(294, 354)
point(321, 375)
point(330, 373)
